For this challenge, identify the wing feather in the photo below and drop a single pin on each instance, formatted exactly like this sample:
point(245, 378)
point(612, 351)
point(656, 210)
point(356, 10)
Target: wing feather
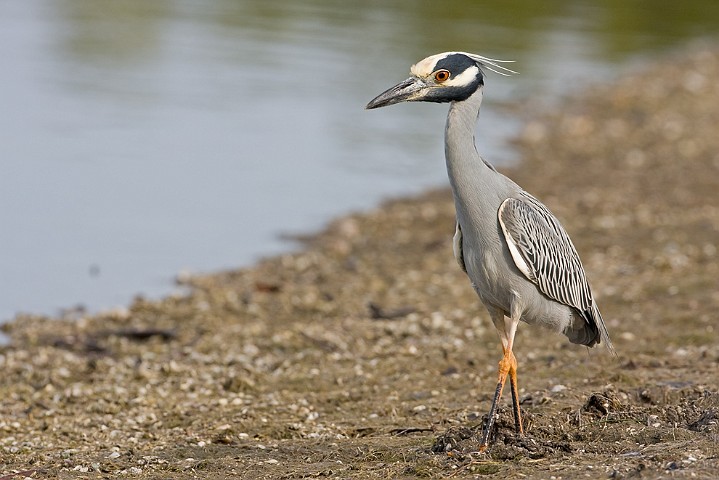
point(545, 254)
point(457, 247)
point(543, 251)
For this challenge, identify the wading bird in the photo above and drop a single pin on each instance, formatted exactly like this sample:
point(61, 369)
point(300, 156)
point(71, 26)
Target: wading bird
point(515, 252)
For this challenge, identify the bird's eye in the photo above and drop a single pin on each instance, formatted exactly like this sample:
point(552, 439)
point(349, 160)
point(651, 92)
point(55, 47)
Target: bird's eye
point(441, 75)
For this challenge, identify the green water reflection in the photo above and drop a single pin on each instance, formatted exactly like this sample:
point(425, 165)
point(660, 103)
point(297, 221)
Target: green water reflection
point(121, 30)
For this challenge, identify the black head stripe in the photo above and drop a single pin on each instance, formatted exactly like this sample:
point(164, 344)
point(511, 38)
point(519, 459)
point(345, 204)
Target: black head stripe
point(453, 94)
point(456, 63)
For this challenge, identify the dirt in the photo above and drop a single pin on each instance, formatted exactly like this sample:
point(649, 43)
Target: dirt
point(367, 354)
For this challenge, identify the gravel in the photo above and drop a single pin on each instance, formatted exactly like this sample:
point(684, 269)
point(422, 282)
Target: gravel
point(366, 354)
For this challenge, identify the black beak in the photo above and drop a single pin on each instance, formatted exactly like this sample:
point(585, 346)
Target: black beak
point(406, 91)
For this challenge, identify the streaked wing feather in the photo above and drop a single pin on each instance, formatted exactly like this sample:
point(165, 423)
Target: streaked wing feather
point(547, 252)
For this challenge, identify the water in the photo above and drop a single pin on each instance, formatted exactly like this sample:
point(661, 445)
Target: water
point(141, 139)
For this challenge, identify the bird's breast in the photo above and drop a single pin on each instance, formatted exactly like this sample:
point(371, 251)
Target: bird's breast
point(483, 258)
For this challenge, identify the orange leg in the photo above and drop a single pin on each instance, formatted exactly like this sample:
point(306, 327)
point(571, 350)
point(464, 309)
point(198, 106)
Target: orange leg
point(515, 396)
point(507, 366)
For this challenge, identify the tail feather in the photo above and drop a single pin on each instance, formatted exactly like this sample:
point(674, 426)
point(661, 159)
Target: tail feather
point(602, 328)
point(589, 329)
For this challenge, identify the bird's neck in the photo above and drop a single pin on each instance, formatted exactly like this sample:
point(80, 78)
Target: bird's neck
point(461, 121)
point(465, 167)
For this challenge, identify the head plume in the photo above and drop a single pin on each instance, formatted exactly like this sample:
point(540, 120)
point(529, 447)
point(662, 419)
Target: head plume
point(491, 64)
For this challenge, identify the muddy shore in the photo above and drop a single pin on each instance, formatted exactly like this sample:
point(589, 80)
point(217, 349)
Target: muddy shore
point(367, 354)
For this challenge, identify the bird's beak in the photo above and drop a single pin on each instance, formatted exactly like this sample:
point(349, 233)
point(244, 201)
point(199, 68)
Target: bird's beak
point(409, 90)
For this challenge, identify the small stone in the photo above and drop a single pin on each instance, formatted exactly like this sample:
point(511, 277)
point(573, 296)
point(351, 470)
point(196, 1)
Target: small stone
point(628, 336)
point(653, 421)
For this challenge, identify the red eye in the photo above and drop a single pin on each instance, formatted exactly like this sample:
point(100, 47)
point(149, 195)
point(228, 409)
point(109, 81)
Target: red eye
point(441, 75)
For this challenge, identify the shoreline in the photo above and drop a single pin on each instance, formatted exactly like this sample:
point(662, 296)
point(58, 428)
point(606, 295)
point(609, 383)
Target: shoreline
point(284, 370)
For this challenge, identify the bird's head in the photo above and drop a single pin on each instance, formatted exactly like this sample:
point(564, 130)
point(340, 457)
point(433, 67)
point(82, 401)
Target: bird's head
point(445, 77)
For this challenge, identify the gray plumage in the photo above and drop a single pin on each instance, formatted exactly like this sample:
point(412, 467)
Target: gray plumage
point(548, 259)
point(519, 258)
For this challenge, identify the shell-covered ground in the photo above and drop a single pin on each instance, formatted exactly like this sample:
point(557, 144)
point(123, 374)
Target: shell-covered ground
point(367, 354)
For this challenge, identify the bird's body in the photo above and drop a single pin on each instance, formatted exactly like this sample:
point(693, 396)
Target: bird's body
point(519, 258)
point(480, 192)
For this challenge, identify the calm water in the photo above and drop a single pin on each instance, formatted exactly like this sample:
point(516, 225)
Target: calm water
point(141, 139)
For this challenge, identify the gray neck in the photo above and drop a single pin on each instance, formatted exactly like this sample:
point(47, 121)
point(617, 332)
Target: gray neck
point(470, 177)
point(459, 134)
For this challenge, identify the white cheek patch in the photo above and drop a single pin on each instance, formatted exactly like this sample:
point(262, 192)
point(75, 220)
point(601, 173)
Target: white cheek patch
point(463, 79)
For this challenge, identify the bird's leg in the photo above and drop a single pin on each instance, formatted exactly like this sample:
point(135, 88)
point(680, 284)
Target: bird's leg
point(510, 329)
point(507, 366)
point(504, 368)
point(515, 395)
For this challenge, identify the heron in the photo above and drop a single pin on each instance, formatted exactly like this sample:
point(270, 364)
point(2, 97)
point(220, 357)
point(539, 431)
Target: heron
point(518, 257)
